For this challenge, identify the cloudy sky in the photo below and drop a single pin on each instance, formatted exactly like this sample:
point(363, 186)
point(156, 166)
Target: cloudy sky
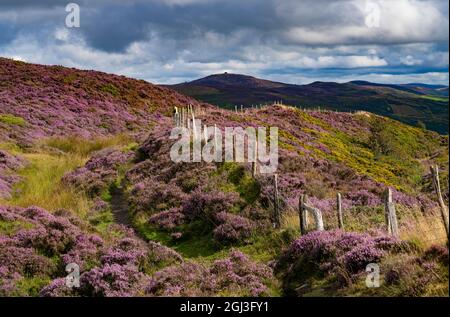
point(295, 41)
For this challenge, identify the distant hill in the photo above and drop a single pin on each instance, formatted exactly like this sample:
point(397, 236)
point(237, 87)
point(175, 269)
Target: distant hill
point(411, 103)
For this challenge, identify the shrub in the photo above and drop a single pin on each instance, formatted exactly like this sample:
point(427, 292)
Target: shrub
point(151, 195)
point(207, 205)
point(330, 253)
point(168, 219)
point(113, 280)
point(232, 228)
point(99, 171)
point(236, 274)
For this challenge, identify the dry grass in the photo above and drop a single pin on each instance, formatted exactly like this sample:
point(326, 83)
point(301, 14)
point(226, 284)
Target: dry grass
point(290, 220)
point(76, 145)
point(423, 230)
point(41, 185)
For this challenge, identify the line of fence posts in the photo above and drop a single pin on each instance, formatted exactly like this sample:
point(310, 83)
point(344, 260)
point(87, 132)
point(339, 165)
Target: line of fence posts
point(182, 119)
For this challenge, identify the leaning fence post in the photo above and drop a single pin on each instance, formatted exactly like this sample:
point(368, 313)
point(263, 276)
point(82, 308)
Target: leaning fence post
point(302, 214)
point(276, 202)
point(339, 211)
point(390, 213)
point(437, 188)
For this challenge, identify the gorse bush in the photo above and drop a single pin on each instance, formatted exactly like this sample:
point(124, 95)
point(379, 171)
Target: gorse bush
point(12, 120)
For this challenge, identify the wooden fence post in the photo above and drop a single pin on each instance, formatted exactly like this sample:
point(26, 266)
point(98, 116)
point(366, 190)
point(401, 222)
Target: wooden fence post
point(339, 211)
point(437, 188)
point(390, 214)
point(255, 157)
point(304, 208)
point(302, 214)
point(276, 202)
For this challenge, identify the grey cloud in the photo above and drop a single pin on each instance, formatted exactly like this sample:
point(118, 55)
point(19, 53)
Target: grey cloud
point(177, 39)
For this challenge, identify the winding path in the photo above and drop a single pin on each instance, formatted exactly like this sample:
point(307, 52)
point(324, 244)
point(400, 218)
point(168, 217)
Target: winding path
point(121, 214)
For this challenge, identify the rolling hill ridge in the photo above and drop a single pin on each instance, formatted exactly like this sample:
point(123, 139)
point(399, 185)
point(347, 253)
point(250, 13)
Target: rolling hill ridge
point(414, 104)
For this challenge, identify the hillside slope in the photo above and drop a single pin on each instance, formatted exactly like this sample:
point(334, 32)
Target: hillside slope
point(40, 101)
point(411, 103)
point(138, 224)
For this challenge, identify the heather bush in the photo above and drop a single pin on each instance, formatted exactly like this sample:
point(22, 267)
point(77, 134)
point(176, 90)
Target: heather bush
point(168, 220)
point(438, 253)
point(232, 228)
point(57, 288)
point(409, 275)
point(99, 171)
point(234, 275)
point(25, 261)
point(160, 255)
point(126, 251)
point(154, 196)
point(323, 253)
point(85, 251)
point(113, 280)
point(9, 164)
point(207, 205)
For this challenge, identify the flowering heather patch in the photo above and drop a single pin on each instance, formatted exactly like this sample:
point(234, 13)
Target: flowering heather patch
point(8, 165)
point(160, 255)
point(49, 235)
point(57, 288)
point(152, 195)
point(208, 204)
point(168, 219)
point(59, 101)
point(113, 280)
point(120, 271)
point(232, 228)
point(328, 251)
point(99, 171)
point(38, 235)
point(126, 251)
point(85, 251)
point(236, 274)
